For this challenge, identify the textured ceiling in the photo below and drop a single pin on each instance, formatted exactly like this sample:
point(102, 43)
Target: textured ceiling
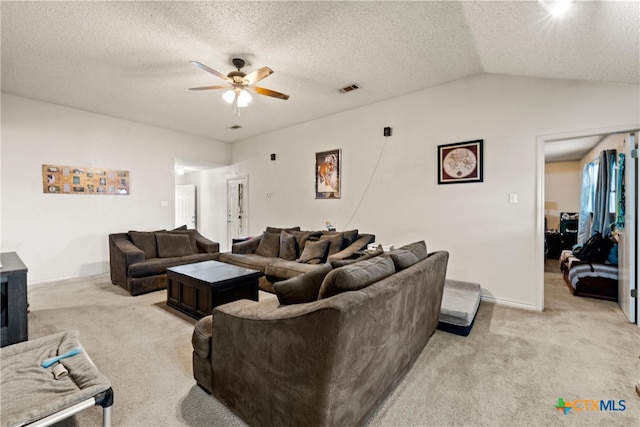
point(131, 59)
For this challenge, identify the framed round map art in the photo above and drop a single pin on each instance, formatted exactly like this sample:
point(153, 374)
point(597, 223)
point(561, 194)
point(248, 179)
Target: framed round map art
point(460, 162)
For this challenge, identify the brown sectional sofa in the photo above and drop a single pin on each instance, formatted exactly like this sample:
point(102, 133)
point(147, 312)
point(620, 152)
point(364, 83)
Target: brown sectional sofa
point(279, 260)
point(139, 259)
point(333, 360)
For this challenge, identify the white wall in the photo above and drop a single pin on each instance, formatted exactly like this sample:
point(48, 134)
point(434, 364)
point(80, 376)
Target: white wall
point(562, 183)
point(490, 240)
point(65, 235)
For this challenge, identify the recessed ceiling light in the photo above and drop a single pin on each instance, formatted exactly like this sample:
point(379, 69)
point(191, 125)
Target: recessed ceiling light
point(557, 8)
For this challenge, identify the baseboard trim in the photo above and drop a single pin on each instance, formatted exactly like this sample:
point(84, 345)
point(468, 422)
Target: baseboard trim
point(45, 282)
point(509, 303)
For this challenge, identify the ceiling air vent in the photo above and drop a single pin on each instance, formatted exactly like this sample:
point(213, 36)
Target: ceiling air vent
point(350, 88)
point(234, 127)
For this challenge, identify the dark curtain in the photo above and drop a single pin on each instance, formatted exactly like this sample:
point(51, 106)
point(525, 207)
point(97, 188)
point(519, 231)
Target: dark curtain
point(602, 217)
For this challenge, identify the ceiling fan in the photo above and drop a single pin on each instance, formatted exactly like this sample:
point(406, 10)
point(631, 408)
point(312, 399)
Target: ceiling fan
point(240, 84)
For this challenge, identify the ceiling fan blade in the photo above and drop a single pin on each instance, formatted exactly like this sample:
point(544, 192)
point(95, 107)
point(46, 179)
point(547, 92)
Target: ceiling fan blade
point(267, 92)
point(257, 75)
point(209, 87)
point(211, 70)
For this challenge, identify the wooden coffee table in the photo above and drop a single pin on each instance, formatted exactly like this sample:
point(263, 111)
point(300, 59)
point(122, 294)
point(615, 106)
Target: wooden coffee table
point(195, 289)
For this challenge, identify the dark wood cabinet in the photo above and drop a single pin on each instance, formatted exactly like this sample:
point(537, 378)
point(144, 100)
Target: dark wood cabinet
point(13, 299)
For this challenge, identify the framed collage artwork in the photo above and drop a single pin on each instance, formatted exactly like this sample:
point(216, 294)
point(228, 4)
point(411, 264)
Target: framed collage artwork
point(80, 180)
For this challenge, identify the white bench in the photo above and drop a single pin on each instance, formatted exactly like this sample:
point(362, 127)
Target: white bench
point(38, 396)
point(460, 302)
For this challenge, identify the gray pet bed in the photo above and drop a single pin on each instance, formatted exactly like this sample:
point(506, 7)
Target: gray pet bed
point(31, 394)
point(460, 302)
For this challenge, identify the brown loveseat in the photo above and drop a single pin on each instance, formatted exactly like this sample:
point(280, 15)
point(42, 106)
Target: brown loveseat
point(283, 253)
point(139, 259)
point(331, 361)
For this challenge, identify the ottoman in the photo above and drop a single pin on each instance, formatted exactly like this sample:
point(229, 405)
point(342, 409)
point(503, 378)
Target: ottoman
point(460, 302)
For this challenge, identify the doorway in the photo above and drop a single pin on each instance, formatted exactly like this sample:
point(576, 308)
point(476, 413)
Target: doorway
point(237, 213)
point(626, 264)
point(186, 206)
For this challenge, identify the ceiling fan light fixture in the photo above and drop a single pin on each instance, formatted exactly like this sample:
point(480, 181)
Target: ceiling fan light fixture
point(229, 96)
point(557, 8)
point(244, 98)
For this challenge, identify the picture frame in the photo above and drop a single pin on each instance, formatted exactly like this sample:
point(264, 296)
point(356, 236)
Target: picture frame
point(461, 162)
point(328, 174)
point(57, 179)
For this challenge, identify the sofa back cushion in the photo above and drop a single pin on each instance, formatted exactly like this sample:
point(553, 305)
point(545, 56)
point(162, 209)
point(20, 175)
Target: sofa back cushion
point(288, 246)
point(269, 245)
point(173, 245)
point(302, 288)
point(145, 241)
point(314, 252)
point(356, 276)
point(277, 230)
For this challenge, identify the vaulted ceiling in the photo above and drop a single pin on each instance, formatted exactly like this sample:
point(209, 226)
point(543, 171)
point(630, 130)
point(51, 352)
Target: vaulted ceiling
point(130, 60)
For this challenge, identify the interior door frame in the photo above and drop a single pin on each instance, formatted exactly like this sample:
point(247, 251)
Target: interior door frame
point(245, 207)
point(540, 169)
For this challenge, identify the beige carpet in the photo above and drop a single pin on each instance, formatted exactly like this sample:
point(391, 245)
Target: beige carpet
point(509, 371)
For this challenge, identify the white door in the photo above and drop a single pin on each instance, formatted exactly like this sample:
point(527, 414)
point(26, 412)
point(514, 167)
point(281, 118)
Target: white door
point(186, 205)
point(237, 215)
point(628, 236)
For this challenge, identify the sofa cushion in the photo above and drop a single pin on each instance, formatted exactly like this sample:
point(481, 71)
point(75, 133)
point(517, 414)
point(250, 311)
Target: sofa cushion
point(193, 236)
point(282, 270)
point(302, 288)
point(356, 276)
point(252, 261)
point(337, 263)
point(201, 338)
point(314, 252)
point(269, 245)
point(173, 245)
point(335, 242)
point(288, 246)
point(303, 236)
point(156, 266)
point(418, 248)
point(145, 241)
point(277, 230)
point(403, 258)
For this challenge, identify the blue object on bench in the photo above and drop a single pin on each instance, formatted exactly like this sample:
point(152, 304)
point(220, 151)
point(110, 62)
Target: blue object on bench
point(460, 302)
point(50, 361)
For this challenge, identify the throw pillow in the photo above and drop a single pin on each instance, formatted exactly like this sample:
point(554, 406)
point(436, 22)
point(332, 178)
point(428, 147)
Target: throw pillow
point(302, 288)
point(145, 241)
point(356, 276)
point(314, 252)
point(192, 238)
point(349, 237)
point(288, 246)
point(269, 245)
point(173, 245)
point(335, 242)
point(182, 227)
point(303, 236)
point(403, 258)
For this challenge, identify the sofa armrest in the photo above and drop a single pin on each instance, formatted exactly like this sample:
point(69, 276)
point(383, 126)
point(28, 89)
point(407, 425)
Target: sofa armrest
point(246, 247)
point(205, 245)
point(360, 243)
point(122, 253)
